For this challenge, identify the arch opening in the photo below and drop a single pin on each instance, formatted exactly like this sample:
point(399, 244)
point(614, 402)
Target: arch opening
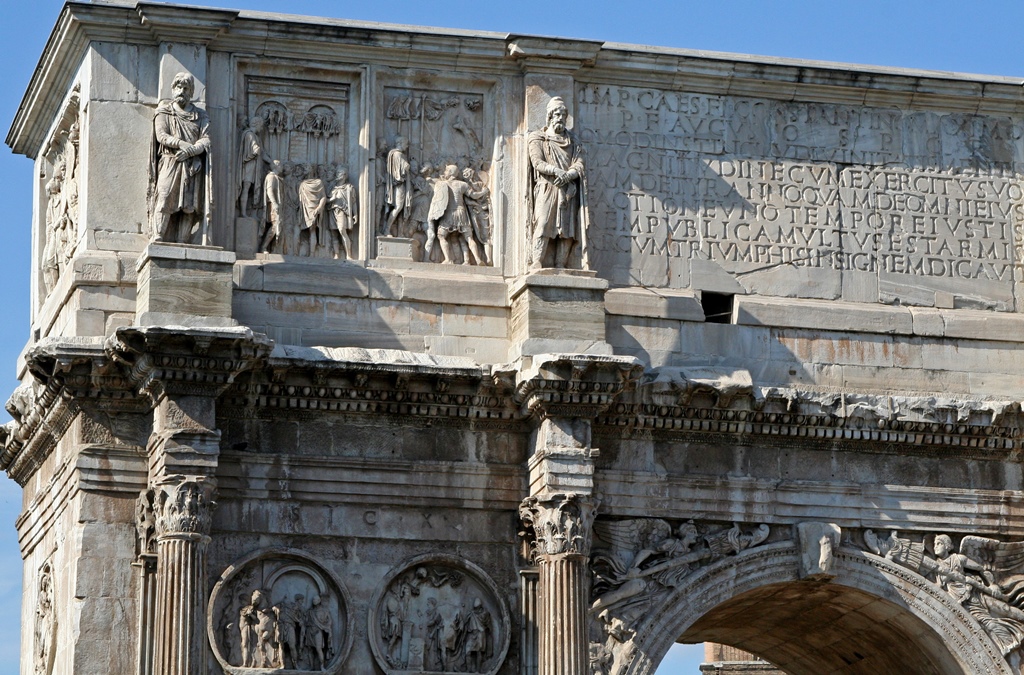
point(810, 628)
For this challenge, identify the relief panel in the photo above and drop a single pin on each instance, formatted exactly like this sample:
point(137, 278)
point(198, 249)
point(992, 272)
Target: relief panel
point(293, 167)
point(433, 173)
point(438, 614)
point(279, 611)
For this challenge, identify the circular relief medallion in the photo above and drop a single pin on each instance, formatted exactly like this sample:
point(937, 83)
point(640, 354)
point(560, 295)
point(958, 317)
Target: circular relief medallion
point(438, 614)
point(278, 611)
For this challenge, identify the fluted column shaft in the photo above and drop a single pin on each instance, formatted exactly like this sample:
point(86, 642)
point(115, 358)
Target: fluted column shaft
point(561, 524)
point(562, 595)
point(183, 510)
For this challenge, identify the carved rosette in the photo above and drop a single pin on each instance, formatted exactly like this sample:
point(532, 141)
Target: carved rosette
point(280, 611)
point(558, 524)
point(183, 507)
point(438, 614)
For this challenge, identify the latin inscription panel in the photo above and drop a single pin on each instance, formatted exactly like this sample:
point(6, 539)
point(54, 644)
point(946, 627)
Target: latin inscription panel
point(802, 199)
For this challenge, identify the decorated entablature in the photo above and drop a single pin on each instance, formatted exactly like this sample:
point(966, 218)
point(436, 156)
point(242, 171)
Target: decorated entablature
point(406, 350)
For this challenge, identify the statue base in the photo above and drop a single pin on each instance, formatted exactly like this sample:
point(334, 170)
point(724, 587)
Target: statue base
point(395, 248)
point(558, 311)
point(184, 285)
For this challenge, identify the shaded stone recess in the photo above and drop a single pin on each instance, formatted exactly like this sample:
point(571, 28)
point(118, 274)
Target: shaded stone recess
point(382, 349)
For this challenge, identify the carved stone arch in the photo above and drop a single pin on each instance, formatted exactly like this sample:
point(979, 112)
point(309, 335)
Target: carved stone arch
point(954, 634)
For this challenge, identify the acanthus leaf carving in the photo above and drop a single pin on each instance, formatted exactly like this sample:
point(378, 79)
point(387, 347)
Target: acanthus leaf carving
point(558, 524)
point(183, 506)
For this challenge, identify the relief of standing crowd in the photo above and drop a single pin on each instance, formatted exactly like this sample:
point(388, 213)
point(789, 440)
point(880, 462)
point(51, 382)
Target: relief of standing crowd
point(288, 634)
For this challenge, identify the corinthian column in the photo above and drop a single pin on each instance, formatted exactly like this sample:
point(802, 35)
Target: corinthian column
point(561, 525)
point(183, 509)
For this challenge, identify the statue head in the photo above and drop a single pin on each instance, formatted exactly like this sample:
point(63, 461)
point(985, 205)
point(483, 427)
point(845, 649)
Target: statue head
point(468, 173)
point(257, 598)
point(451, 171)
point(688, 534)
point(557, 115)
point(402, 143)
point(276, 167)
point(256, 123)
point(183, 86)
point(315, 600)
point(943, 545)
point(342, 175)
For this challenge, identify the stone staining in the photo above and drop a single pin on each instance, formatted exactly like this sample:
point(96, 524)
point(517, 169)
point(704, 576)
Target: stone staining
point(303, 145)
point(439, 615)
point(179, 175)
point(45, 626)
point(558, 194)
point(432, 175)
point(278, 611)
point(642, 559)
point(984, 577)
point(61, 220)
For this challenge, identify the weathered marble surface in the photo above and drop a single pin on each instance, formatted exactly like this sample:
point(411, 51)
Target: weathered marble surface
point(770, 397)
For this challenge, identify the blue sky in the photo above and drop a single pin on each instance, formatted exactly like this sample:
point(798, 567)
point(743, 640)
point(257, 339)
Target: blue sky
point(952, 35)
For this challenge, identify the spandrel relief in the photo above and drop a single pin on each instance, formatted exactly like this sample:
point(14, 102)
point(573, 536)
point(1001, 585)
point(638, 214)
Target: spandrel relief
point(280, 612)
point(983, 575)
point(438, 614)
point(61, 189)
point(433, 170)
point(306, 205)
point(638, 561)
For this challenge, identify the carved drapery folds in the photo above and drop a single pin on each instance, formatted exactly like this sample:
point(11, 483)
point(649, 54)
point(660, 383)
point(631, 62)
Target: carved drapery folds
point(45, 624)
point(432, 175)
point(984, 575)
point(294, 155)
point(279, 611)
point(439, 614)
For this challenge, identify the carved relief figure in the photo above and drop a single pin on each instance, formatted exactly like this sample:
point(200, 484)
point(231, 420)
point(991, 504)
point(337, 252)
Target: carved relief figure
point(434, 130)
point(478, 646)
point(180, 170)
point(448, 211)
point(248, 626)
point(273, 201)
point(398, 193)
point(319, 633)
point(312, 196)
point(435, 618)
point(55, 227)
point(344, 215)
point(290, 625)
point(251, 159)
point(984, 577)
point(45, 621)
point(558, 193)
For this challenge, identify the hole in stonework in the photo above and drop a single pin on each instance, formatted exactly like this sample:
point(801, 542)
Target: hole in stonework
point(717, 307)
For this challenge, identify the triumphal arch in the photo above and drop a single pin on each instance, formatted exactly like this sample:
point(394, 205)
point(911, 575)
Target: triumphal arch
point(361, 348)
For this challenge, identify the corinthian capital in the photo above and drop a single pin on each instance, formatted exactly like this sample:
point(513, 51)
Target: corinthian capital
point(557, 524)
point(183, 505)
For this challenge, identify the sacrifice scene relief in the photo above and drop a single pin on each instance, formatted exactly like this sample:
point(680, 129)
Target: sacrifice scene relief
point(432, 176)
point(437, 618)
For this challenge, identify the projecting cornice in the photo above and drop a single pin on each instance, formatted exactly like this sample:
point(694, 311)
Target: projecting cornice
point(280, 36)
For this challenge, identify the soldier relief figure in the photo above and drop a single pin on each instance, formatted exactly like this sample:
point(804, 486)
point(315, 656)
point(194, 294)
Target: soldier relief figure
point(179, 174)
point(289, 634)
point(558, 194)
point(434, 619)
point(432, 175)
